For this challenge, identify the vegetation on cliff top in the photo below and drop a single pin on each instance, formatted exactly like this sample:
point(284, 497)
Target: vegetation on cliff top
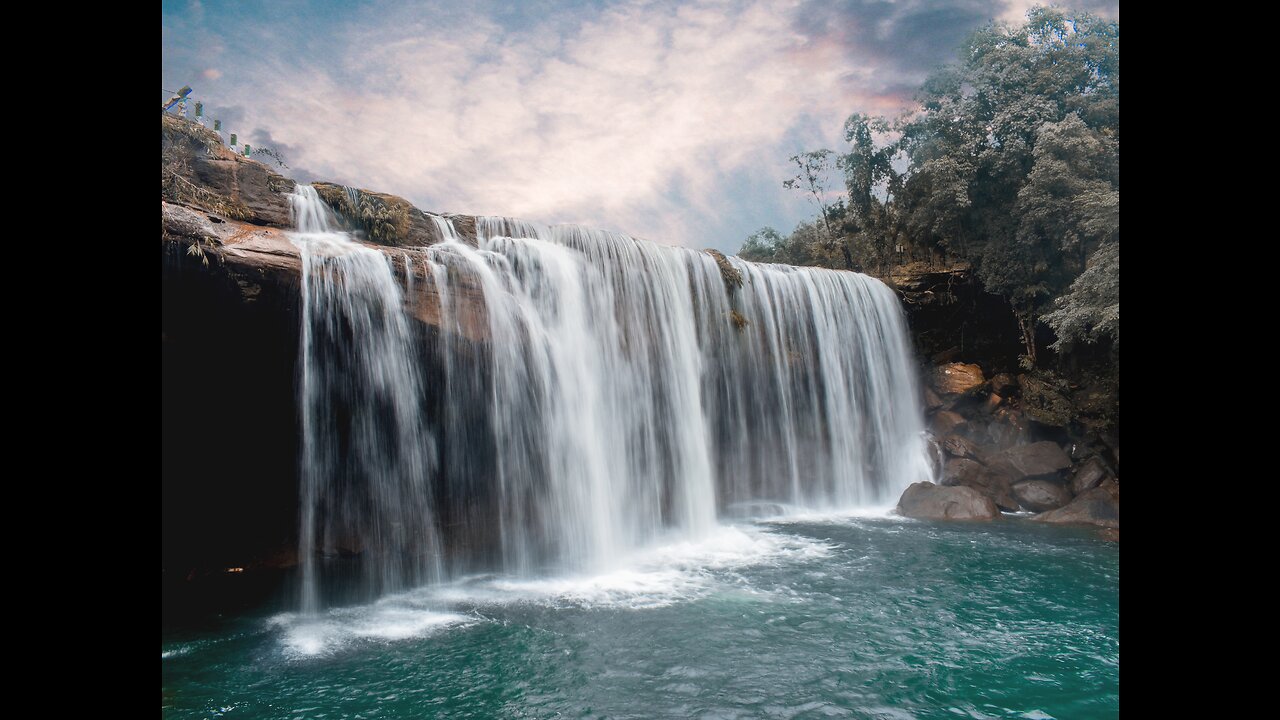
point(1012, 166)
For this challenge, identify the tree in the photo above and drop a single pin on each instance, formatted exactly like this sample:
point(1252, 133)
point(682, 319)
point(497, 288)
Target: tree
point(1090, 311)
point(814, 167)
point(1015, 156)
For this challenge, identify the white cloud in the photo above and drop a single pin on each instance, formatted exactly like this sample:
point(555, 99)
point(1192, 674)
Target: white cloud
point(631, 119)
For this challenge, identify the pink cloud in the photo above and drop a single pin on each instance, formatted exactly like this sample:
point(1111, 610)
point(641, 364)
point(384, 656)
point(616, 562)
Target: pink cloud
point(631, 120)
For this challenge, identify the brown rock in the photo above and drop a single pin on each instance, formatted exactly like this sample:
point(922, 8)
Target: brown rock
point(992, 483)
point(385, 219)
point(926, 501)
point(959, 447)
point(959, 471)
point(1041, 495)
point(1110, 534)
point(993, 402)
point(1037, 460)
point(955, 379)
point(1099, 506)
point(1089, 475)
point(197, 170)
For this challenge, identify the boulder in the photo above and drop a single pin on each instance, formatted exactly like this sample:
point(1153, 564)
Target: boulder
point(926, 501)
point(1089, 475)
point(1044, 459)
point(1041, 495)
point(1099, 506)
point(994, 484)
point(959, 471)
point(955, 379)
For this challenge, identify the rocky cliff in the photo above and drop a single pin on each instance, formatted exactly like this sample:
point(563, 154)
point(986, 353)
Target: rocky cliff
point(230, 324)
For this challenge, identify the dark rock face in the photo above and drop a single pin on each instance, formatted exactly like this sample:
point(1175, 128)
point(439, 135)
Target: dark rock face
point(1041, 495)
point(1099, 506)
point(1037, 460)
point(926, 501)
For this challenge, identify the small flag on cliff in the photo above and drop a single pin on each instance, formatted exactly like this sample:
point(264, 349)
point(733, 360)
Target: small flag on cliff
point(233, 139)
point(217, 126)
point(247, 150)
point(199, 109)
point(180, 96)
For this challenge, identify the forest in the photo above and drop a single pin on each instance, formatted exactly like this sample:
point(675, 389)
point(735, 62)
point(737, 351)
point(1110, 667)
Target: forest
point(1009, 164)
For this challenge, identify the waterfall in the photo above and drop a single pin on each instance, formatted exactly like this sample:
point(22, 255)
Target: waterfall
point(584, 393)
point(367, 455)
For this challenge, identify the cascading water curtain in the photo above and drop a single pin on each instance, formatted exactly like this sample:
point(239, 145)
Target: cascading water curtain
point(591, 393)
point(367, 456)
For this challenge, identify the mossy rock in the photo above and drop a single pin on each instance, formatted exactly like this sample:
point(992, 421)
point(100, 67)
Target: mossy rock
point(730, 274)
point(1045, 400)
point(385, 219)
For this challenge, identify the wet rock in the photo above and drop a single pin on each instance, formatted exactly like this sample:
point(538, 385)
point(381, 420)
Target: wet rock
point(1099, 506)
point(1041, 495)
point(926, 501)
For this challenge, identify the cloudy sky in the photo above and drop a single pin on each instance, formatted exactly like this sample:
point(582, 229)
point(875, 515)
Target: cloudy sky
point(671, 121)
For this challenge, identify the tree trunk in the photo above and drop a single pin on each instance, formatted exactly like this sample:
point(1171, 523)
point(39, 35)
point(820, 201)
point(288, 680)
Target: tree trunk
point(1027, 324)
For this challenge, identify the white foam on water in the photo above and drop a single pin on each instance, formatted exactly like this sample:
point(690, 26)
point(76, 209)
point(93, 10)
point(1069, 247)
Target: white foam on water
point(832, 516)
point(394, 618)
point(659, 576)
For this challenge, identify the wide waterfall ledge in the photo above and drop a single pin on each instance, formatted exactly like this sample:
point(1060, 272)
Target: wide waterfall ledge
point(555, 399)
